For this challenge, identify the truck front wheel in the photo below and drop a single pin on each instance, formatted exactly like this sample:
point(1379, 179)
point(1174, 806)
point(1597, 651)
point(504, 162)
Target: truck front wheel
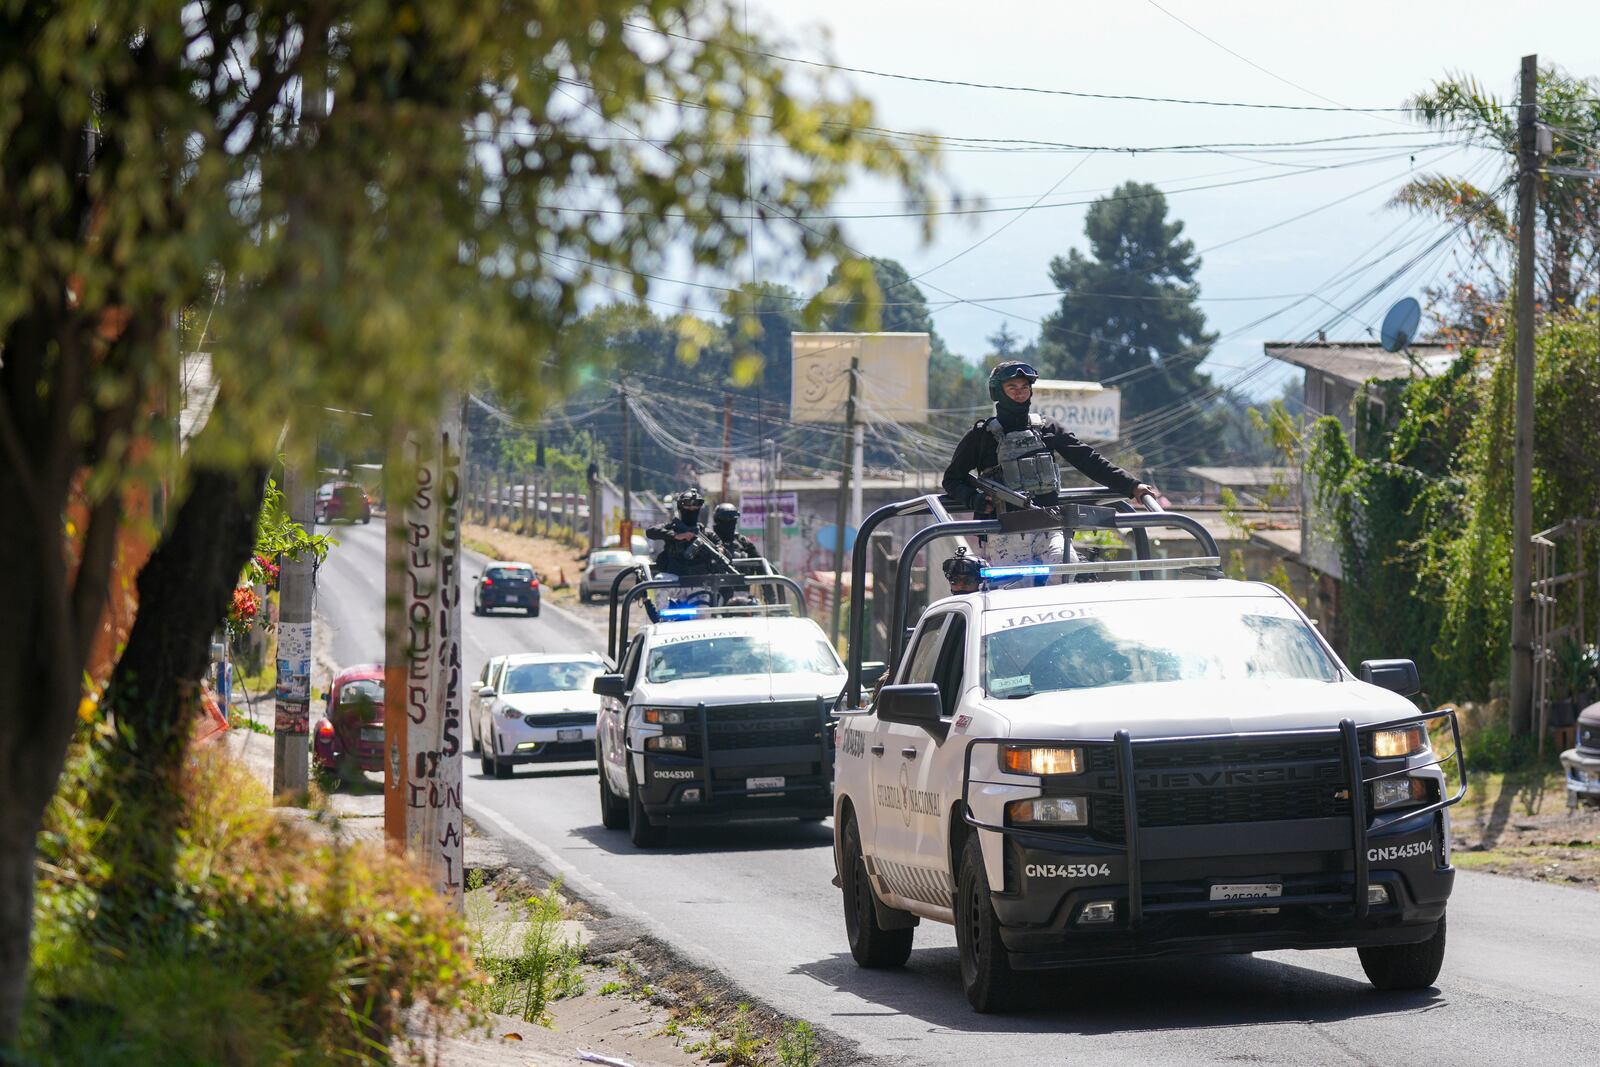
point(870, 944)
point(986, 975)
point(1398, 967)
point(641, 831)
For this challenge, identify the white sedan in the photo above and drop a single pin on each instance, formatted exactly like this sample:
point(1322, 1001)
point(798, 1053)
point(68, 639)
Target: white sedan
point(534, 707)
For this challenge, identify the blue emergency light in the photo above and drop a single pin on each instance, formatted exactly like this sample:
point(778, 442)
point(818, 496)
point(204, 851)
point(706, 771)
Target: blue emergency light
point(1030, 570)
point(679, 613)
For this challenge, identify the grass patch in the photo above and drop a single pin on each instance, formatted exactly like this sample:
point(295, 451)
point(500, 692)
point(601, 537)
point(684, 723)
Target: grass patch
point(237, 721)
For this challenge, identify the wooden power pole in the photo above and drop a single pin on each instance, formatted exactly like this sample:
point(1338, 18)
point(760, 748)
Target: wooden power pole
point(844, 497)
point(1522, 471)
point(423, 682)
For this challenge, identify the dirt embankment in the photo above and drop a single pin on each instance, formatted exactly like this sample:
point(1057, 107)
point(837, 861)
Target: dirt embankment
point(1518, 823)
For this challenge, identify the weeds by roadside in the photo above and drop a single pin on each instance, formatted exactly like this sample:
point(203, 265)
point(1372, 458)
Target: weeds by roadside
point(270, 945)
point(526, 963)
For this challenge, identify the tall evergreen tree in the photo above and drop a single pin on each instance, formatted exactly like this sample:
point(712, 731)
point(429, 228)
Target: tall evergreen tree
point(1128, 313)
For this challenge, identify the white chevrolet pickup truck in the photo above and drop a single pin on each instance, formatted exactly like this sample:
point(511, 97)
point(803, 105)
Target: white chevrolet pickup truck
point(715, 714)
point(1111, 770)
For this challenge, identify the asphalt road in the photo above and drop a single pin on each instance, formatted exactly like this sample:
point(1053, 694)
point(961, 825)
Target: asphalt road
point(1521, 982)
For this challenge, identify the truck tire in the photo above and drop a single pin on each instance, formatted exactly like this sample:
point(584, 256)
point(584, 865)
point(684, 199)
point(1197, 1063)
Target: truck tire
point(870, 944)
point(1399, 967)
point(986, 975)
point(485, 761)
point(641, 831)
point(613, 809)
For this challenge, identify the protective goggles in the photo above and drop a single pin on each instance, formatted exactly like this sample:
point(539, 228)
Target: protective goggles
point(1017, 370)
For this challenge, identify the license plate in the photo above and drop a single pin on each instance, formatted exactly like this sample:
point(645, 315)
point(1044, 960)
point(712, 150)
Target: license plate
point(1247, 891)
point(372, 733)
point(764, 783)
point(575, 734)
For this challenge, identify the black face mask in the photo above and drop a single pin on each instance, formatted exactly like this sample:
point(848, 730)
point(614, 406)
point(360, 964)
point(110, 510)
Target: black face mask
point(689, 517)
point(1012, 415)
point(724, 529)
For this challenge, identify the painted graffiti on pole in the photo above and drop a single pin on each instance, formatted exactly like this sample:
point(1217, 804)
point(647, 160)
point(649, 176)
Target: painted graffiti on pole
point(292, 696)
point(427, 769)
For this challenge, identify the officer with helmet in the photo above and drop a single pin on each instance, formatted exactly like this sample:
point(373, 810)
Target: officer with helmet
point(1019, 449)
point(686, 550)
point(964, 572)
point(725, 527)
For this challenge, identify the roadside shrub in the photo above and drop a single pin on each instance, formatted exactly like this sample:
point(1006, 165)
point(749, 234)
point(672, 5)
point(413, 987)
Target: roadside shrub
point(271, 944)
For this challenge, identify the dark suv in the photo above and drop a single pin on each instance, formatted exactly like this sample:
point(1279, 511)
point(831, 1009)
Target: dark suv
point(344, 501)
point(507, 585)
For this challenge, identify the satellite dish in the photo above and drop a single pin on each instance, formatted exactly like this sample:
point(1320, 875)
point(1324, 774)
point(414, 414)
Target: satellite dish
point(1400, 325)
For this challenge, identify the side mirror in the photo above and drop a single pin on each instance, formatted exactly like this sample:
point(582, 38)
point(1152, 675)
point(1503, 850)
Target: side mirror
point(610, 685)
point(486, 693)
point(916, 704)
point(1396, 675)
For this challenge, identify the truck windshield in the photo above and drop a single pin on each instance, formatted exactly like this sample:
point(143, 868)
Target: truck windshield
point(740, 654)
point(550, 677)
point(1089, 646)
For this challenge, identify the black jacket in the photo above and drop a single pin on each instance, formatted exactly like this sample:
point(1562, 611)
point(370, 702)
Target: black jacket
point(686, 557)
point(737, 547)
point(978, 452)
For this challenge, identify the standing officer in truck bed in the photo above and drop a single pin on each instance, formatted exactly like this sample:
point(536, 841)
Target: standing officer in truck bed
point(1019, 450)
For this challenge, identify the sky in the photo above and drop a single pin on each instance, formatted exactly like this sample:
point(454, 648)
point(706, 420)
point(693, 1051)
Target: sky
point(1351, 54)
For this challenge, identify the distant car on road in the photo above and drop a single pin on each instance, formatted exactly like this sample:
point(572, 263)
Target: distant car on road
point(506, 584)
point(534, 707)
point(343, 502)
point(604, 565)
point(350, 734)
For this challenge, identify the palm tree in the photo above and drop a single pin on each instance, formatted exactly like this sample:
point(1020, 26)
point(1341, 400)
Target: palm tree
point(1569, 207)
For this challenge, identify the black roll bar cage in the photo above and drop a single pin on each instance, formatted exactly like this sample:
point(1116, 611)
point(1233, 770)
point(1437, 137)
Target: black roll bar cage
point(1355, 764)
point(617, 633)
point(1122, 516)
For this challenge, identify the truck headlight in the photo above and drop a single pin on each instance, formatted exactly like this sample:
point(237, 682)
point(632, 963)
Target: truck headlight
point(1398, 792)
point(1403, 741)
point(509, 712)
point(1048, 811)
point(667, 743)
point(1028, 759)
point(663, 716)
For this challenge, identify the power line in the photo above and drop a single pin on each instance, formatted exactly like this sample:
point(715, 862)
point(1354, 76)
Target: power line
point(1078, 94)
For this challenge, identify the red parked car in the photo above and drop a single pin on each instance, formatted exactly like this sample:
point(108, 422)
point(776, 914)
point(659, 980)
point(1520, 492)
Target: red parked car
point(349, 735)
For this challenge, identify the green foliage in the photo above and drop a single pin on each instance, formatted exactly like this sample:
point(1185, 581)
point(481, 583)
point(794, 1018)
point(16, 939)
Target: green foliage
point(1420, 502)
point(735, 1044)
point(797, 1046)
point(1389, 499)
point(1568, 205)
point(528, 967)
point(271, 947)
point(1130, 306)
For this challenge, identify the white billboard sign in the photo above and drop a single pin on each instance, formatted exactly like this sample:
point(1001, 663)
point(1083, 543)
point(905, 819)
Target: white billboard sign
point(1087, 409)
point(894, 377)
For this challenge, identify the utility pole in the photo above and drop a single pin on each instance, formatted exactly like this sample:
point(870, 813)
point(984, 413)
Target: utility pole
point(773, 531)
point(627, 460)
point(1522, 471)
point(291, 713)
point(422, 715)
point(844, 497)
point(291, 720)
point(727, 443)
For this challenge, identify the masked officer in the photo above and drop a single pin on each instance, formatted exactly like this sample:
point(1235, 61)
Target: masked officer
point(964, 572)
point(687, 550)
point(725, 527)
point(1019, 450)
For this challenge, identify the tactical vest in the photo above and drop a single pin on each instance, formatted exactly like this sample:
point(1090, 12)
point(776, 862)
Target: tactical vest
point(1024, 462)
